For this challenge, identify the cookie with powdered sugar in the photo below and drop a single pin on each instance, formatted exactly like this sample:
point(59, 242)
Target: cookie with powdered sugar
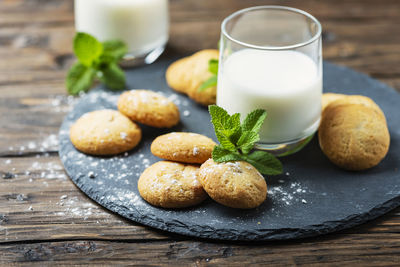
point(183, 147)
point(104, 132)
point(235, 184)
point(171, 185)
point(149, 108)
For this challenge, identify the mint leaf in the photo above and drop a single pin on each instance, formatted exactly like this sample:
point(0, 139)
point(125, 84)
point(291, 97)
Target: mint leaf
point(219, 154)
point(265, 162)
point(219, 117)
point(87, 49)
point(247, 140)
point(224, 140)
point(79, 78)
point(211, 82)
point(113, 50)
point(254, 120)
point(213, 66)
point(113, 77)
point(227, 128)
point(237, 140)
point(96, 58)
point(234, 121)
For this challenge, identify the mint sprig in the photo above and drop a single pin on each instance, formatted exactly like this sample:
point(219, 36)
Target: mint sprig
point(96, 60)
point(212, 81)
point(237, 140)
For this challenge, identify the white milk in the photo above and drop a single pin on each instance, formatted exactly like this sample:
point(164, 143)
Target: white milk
point(287, 84)
point(142, 24)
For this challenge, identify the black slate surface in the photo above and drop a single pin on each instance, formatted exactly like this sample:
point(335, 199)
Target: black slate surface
point(313, 197)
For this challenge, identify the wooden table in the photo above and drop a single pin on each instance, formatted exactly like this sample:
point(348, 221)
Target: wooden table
point(45, 219)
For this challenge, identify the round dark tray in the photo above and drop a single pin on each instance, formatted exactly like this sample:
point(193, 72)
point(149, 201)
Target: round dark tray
point(312, 197)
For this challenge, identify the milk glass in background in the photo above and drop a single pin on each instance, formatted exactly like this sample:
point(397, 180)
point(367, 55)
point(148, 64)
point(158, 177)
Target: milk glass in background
point(142, 24)
point(271, 59)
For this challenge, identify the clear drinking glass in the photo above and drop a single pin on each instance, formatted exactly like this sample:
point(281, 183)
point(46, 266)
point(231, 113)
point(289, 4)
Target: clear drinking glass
point(271, 58)
point(142, 24)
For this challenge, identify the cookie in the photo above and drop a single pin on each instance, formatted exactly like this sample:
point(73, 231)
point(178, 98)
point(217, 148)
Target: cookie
point(149, 108)
point(188, 74)
point(104, 132)
point(357, 99)
point(234, 184)
point(353, 136)
point(183, 147)
point(177, 75)
point(328, 98)
point(171, 185)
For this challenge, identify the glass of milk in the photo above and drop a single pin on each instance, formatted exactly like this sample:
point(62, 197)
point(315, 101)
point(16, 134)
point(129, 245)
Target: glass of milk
point(142, 24)
point(271, 59)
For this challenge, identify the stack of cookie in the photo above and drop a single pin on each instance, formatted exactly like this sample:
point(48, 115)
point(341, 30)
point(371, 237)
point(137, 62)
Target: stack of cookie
point(111, 132)
point(180, 182)
point(173, 183)
point(353, 132)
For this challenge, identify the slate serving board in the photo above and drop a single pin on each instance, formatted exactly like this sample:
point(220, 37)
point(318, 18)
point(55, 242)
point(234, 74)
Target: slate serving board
point(312, 197)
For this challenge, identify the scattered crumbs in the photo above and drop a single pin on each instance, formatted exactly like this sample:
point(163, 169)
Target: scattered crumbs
point(123, 135)
point(186, 113)
point(31, 145)
point(30, 208)
point(50, 142)
point(324, 194)
point(63, 197)
point(126, 154)
point(91, 175)
point(174, 98)
point(288, 195)
point(281, 181)
point(234, 166)
point(30, 180)
point(287, 173)
point(94, 164)
point(141, 156)
point(8, 161)
point(62, 103)
point(195, 151)
point(258, 223)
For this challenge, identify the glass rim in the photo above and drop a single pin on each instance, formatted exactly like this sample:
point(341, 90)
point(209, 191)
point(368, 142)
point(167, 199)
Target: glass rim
point(285, 8)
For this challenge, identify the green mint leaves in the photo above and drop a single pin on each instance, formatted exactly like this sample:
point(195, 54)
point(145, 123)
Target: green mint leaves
point(237, 139)
point(212, 81)
point(96, 60)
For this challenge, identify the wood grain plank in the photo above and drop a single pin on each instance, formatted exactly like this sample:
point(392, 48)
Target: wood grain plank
point(195, 253)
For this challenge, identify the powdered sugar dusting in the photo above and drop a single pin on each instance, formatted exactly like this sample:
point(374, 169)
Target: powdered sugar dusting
point(288, 195)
